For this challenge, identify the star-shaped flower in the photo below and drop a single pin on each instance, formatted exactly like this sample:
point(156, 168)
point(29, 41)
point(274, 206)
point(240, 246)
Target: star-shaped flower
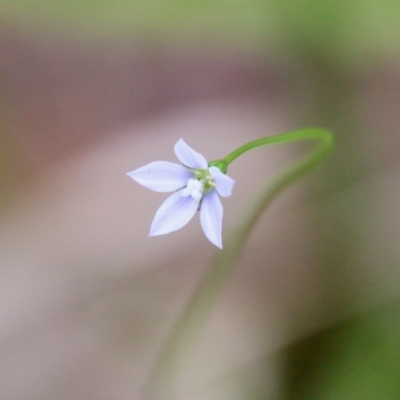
point(196, 187)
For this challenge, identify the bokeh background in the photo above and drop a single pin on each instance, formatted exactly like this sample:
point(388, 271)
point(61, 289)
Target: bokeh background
point(92, 89)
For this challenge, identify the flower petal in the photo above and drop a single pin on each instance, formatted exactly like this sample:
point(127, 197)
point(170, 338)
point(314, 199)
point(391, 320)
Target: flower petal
point(223, 184)
point(161, 176)
point(173, 214)
point(211, 218)
point(187, 156)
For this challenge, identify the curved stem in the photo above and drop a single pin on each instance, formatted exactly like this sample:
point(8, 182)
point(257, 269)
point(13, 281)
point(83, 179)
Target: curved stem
point(323, 135)
point(199, 307)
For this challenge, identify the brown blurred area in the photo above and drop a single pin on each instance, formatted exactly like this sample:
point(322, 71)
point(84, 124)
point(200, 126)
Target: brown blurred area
point(60, 95)
point(86, 298)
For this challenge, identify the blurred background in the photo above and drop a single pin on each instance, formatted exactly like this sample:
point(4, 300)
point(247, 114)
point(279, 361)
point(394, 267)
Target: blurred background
point(90, 90)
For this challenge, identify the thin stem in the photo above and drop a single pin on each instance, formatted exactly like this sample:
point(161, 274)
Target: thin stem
point(323, 135)
point(161, 383)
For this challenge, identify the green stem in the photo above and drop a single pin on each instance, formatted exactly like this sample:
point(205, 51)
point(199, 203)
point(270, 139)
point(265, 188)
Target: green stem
point(322, 135)
point(200, 305)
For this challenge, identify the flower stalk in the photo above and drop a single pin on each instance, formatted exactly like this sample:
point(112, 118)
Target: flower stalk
point(188, 325)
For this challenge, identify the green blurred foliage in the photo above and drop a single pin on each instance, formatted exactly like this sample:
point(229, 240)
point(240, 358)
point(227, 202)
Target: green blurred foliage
point(358, 359)
point(349, 28)
point(241, 18)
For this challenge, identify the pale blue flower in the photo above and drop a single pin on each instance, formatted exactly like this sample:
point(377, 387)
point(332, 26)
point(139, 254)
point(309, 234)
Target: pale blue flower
point(196, 187)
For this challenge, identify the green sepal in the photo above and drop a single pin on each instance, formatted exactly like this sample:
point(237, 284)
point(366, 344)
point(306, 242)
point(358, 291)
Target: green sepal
point(221, 164)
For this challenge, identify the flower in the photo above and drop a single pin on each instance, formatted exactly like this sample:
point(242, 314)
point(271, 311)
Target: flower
point(196, 187)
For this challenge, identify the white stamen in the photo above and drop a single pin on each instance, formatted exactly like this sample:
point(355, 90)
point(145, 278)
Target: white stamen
point(193, 188)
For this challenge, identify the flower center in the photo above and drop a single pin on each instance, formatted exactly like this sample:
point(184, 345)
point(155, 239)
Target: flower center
point(196, 186)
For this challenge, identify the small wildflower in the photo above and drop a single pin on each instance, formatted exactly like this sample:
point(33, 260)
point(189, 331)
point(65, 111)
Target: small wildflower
point(197, 186)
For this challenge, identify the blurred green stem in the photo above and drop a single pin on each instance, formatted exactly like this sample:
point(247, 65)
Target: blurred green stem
point(161, 384)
